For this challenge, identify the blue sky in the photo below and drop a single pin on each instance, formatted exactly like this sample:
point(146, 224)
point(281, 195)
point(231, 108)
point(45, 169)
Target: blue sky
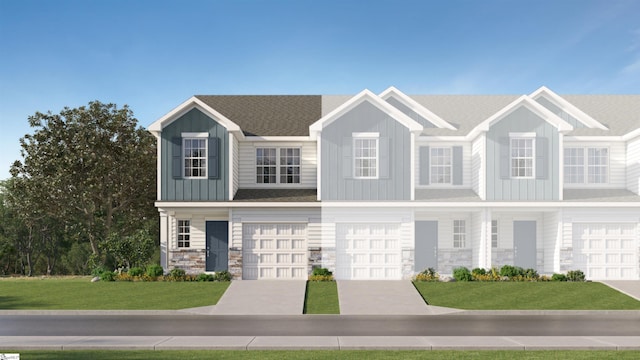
point(153, 55)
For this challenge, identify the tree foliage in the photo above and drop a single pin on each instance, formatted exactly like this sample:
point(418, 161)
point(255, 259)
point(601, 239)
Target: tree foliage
point(85, 173)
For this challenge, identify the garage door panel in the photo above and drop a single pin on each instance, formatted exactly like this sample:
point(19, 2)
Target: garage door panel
point(368, 251)
point(274, 251)
point(606, 251)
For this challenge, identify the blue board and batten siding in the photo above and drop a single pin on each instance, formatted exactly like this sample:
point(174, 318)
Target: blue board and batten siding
point(394, 182)
point(213, 188)
point(499, 184)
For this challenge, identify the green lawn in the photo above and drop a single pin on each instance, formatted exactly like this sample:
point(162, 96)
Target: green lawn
point(322, 355)
point(81, 294)
point(321, 298)
point(525, 296)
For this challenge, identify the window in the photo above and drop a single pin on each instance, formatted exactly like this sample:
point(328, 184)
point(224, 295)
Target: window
point(459, 233)
point(194, 157)
point(494, 233)
point(184, 233)
point(522, 156)
point(440, 163)
point(365, 157)
point(271, 168)
point(586, 165)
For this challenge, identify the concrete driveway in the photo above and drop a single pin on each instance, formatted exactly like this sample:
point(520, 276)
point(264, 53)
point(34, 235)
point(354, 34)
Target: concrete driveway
point(262, 297)
point(628, 287)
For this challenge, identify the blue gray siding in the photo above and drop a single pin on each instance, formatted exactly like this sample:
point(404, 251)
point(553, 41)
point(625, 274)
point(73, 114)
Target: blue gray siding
point(561, 113)
point(394, 182)
point(546, 184)
point(175, 188)
point(410, 113)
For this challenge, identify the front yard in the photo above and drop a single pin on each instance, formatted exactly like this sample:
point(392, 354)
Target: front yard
point(81, 294)
point(525, 296)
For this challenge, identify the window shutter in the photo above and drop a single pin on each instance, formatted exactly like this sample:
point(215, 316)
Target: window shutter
point(176, 157)
point(542, 158)
point(456, 162)
point(503, 143)
point(214, 158)
point(424, 165)
point(347, 158)
point(384, 154)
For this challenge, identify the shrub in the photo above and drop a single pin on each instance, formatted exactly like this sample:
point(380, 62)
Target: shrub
point(321, 271)
point(575, 275)
point(136, 271)
point(222, 276)
point(558, 277)
point(485, 277)
point(124, 277)
point(108, 276)
point(204, 277)
point(462, 274)
point(478, 271)
point(177, 274)
point(98, 270)
point(531, 274)
point(511, 271)
point(429, 274)
point(154, 270)
point(320, 277)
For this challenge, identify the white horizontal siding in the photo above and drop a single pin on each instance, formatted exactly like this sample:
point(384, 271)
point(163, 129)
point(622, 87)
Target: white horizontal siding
point(235, 151)
point(633, 166)
point(478, 155)
point(617, 163)
point(257, 215)
point(466, 163)
point(551, 238)
point(505, 227)
point(247, 163)
point(445, 227)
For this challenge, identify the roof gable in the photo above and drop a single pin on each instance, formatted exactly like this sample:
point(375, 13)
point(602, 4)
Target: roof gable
point(414, 106)
point(185, 107)
point(567, 107)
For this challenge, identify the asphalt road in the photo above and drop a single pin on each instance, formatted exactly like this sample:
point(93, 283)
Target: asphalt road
point(320, 325)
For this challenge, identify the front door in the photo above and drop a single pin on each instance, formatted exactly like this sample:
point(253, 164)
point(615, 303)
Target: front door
point(426, 245)
point(524, 244)
point(217, 245)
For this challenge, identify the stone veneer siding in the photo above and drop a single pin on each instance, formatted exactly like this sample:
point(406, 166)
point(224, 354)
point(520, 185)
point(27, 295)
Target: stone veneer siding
point(408, 263)
point(235, 263)
point(448, 259)
point(192, 261)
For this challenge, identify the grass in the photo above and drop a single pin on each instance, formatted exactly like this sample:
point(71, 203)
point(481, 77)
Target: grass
point(525, 296)
point(81, 294)
point(323, 354)
point(321, 298)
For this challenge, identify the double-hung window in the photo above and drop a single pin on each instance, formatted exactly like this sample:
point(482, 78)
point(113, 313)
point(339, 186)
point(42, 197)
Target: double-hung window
point(275, 165)
point(494, 233)
point(194, 155)
point(586, 165)
point(522, 154)
point(459, 233)
point(184, 233)
point(366, 155)
point(440, 163)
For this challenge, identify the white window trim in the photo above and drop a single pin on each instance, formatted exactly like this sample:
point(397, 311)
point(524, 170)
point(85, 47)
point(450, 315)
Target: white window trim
point(523, 136)
point(431, 166)
point(365, 136)
point(198, 136)
point(454, 233)
point(585, 166)
point(178, 233)
point(278, 165)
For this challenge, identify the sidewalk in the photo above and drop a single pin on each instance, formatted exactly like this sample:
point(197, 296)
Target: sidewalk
point(320, 343)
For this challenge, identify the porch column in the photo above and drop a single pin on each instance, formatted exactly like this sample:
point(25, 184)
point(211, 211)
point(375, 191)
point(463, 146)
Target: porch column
point(485, 239)
point(164, 223)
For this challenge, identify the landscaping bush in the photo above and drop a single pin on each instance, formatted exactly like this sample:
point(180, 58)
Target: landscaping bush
point(429, 274)
point(558, 277)
point(204, 277)
point(154, 270)
point(575, 275)
point(108, 276)
point(321, 271)
point(511, 271)
point(177, 274)
point(478, 271)
point(124, 277)
point(98, 270)
point(222, 276)
point(136, 271)
point(531, 274)
point(462, 274)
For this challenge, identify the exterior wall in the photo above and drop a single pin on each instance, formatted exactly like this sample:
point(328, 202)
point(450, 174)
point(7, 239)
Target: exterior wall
point(235, 148)
point(551, 239)
point(194, 189)
point(503, 254)
point(633, 165)
point(617, 163)
point(448, 256)
point(522, 120)
point(337, 177)
point(466, 163)
point(247, 163)
point(478, 155)
point(561, 113)
point(410, 113)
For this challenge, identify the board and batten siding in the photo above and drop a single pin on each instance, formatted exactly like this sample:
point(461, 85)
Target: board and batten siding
point(545, 186)
point(561, 113)
point(247, 163)
point(236, 173)
point(394, 182)
point(478, 154)
point(617, 163)
point(465, 165)
point(180, 189)
point(633, 165)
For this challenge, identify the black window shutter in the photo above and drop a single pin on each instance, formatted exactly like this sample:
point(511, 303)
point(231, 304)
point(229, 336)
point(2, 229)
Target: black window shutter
point(384, 159)
point(456, 161)
point(214, 158)
point(503, 143)
point(176, 157)
point(347, 157)
point(542, 158)
point(424, 165)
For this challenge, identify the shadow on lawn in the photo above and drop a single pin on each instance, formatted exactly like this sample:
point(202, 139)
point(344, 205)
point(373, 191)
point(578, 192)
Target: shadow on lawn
point(18, 303)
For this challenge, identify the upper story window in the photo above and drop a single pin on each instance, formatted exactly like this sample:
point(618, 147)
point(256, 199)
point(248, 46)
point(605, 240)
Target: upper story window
point(586, 165)
point(366, 155)
point(522, 155)
point(440, 163)
point(284, 168)
point(184, 233)
point(194, 155)
point(459, 233)
point(494, 233)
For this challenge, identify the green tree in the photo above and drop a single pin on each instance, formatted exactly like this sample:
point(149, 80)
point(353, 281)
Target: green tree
point(132, 250)
point(88, 169)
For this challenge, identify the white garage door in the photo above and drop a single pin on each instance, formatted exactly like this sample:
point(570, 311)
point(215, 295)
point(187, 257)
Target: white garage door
point(606, 251)
point(368, 252)
point(274, 251)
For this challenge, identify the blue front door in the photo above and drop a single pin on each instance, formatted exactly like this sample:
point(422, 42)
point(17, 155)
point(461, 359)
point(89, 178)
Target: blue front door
point(217, 245)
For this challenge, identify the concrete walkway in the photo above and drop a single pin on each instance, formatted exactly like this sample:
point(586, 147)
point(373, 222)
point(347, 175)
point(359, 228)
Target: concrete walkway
point(264, 297)
point(628, 287)
point(385, 297)
point(17, 343)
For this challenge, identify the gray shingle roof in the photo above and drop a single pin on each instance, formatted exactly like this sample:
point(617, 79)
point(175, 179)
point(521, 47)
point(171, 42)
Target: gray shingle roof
point(603, 195)
point(453, 195)
point(276, 195)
